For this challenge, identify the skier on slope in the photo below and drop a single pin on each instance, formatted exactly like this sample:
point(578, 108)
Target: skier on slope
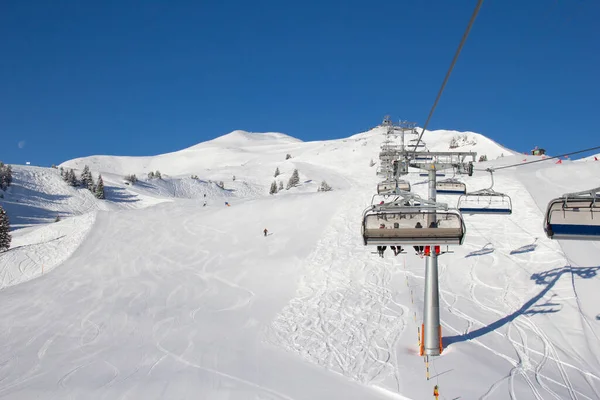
point(266, 231)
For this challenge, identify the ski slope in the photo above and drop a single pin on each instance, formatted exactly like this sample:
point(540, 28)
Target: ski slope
point(159, 297)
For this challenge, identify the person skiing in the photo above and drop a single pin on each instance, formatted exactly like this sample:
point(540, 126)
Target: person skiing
point(266, 231)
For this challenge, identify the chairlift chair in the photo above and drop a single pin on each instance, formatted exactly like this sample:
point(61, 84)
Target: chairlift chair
point(394, 223)
point(392, 187)
point(485, 201)
point(574, 216)
point(450, 186)
point(437, 173)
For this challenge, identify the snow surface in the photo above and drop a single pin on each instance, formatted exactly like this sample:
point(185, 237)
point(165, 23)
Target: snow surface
point(148, 294)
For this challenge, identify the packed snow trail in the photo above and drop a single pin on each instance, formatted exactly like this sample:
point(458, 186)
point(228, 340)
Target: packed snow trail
point(168, 302)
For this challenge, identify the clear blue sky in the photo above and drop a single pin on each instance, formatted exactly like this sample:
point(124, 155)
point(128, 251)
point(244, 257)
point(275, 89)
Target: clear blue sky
point(146, 77)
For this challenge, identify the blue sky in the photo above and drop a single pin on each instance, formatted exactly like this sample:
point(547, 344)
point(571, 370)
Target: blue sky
point(147, 77)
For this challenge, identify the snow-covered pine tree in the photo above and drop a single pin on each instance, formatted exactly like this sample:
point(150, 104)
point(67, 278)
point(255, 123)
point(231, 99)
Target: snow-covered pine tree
point(151, 175)
point(5, 237)
point(273, 189)
point(280, 185)
point(288, 156)
point(72, 178)
point(294, 179)
point(324, 187)
point(99, 193)
point(87, 181)
point(157, 174)
point(62, 172)
point(371, 163)
point(277, 173)
point(5, 175)
point(131, 178)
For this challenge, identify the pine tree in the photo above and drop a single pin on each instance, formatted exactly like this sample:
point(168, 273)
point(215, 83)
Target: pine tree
point(277, 173)
point(371, 163)
point(71, 177)
point(324, 187)
point(273, 189)
point(87, 181)
point(131, 178)
point(5, 175)
point(288, 156)
point(151, 175)
point(294, 179)
point(157, 174)
point(5, 237)
point(100, 188)
point(280, 185)
point(62, 172)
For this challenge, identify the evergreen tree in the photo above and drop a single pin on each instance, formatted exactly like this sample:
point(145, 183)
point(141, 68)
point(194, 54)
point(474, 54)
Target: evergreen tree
point(87, 181)
point(324, 187)
point(273, 189)
point(151, 175)
point(100, 188)
point(234, 177)
point(5, 176)
point(157, 174)
point(371, 163)
point(5, 237)
point(294, 179)
point(71, 178)
point(277, 173)
point(280, 185)
point(62, 172)
point(288, 156)
point(131, 178)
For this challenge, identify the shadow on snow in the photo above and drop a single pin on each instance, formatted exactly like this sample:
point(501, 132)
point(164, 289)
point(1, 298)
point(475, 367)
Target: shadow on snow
point(487, 249)
point(547, 278)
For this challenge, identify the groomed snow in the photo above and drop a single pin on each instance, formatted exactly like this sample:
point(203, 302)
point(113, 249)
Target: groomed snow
point(165, 298)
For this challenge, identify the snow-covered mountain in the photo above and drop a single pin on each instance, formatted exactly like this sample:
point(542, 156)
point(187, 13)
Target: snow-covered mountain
point(151, 294)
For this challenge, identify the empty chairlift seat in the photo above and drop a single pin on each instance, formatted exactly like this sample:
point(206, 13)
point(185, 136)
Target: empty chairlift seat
point(386, 187)
point(485, 201)
point(383, 227)
point(450, 186)
point(404, 185)
point(574, 217)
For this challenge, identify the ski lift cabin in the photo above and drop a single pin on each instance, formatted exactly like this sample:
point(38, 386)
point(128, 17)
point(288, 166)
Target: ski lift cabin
point(390, 187)
point(450, 186)
point(574, 216)
point(399, 225)
point(485, 201)
point(538, 152)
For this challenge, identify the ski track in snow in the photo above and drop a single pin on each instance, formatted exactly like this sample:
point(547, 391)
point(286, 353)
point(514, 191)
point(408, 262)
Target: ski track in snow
point(345, 317)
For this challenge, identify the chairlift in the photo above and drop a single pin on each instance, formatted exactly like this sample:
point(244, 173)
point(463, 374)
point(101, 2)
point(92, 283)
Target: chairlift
point(450, 186)
point(437, 173)
point(485, 201)
point(397, 223)
point(392, 187)
point(574, 216)
point(413, 143)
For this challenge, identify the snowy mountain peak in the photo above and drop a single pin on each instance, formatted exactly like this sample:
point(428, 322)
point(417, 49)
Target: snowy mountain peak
point(244, 138)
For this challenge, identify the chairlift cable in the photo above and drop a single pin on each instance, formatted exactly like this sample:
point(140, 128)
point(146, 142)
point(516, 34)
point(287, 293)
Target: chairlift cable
point(536, 161)
point(460, 46)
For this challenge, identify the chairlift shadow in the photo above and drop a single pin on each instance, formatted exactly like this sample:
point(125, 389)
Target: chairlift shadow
point(525, 249)
point(547, 278)
point(481, 252)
